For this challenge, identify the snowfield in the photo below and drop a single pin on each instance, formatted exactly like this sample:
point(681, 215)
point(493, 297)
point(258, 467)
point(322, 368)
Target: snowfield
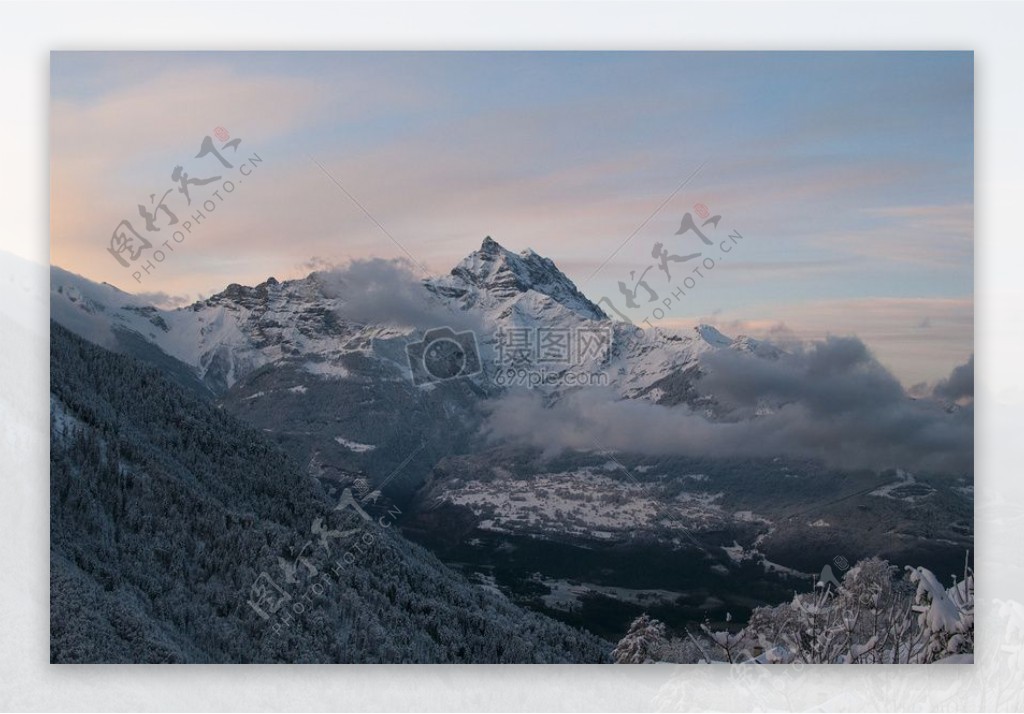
point(584, 502)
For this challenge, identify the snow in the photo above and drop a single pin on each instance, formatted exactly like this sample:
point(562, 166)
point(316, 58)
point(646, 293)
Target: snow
point(738, 554)
point(749, 517)
point(326, 370)
point(712, 336)
point(229, 335)
point(501, 283)
point(585, 502)
point(905, 488)
point(238, 331)
point(770, 567)
point(655, 395)
point(566, 594)
point(902, 479)
point(62, 421)
point(941, 613)
point(956, 659)
point(355, 445)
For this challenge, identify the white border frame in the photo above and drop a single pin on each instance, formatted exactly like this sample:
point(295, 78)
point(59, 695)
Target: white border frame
point(29, 31)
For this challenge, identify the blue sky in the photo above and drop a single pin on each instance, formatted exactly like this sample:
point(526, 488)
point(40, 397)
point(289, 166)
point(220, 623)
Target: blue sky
point(850, 175)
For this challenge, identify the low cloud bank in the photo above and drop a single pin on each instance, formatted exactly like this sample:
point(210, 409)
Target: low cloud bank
point(389, 292)
point(959, 385)
point(829, 400)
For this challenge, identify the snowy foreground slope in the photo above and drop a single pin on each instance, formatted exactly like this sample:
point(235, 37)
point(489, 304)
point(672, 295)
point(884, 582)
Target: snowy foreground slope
point(873, 616)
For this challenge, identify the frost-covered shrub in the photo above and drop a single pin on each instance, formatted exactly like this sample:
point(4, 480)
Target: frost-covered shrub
point(875, 616)
point(643, 643)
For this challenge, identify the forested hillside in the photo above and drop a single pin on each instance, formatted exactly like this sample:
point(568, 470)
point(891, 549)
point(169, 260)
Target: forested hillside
point(168, 516)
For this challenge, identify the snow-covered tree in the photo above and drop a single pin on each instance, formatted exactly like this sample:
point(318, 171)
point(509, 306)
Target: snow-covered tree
point(874, 616)
point(642, 644)
point(169, 521)
point(945, 616)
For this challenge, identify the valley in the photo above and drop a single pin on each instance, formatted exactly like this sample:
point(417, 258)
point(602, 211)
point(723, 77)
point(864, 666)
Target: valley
point(708, 474)
point(592, 540)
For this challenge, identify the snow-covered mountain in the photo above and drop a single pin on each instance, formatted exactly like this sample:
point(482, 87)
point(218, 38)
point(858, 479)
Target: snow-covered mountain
point(302, 324)
point(305, 362)
point(327, 360)
point(226, 337)
point(519, 288)
point(290, 358)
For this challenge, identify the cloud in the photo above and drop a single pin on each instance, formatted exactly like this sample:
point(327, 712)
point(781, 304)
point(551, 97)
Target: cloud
point(164, 300)
point(387, 291)
point(832, 401)
point(833, 376)
point(919, 339)
point(960, 383)
point(441, 154)
point(316, 263)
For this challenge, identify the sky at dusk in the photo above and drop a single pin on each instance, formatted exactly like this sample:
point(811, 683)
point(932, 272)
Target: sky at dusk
point(849, 177)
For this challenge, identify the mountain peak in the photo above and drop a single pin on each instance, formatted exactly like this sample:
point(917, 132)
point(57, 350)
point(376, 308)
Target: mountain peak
point(712, 335)
point(494, 275)
point(491, 247)
point(714, 339)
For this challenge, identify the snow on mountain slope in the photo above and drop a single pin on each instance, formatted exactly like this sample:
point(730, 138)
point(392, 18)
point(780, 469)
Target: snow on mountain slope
point(94, 310)
point(712, 337)
point(227, 336)
point(506, 286)
point(240, 330)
